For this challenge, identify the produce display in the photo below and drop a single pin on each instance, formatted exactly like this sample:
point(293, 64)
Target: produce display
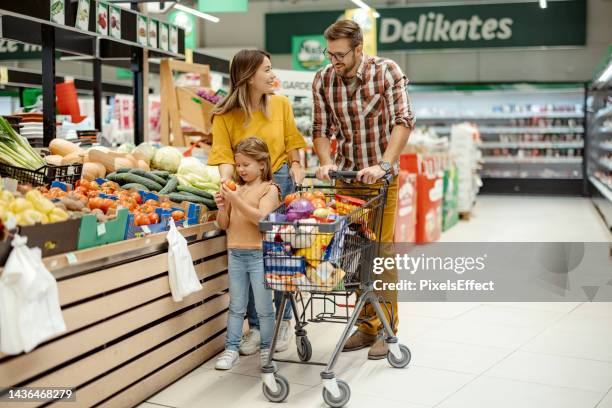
point(209, 95)
point(15, 149)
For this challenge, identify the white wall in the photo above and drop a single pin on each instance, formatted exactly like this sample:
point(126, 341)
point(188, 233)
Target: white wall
point(244, 30)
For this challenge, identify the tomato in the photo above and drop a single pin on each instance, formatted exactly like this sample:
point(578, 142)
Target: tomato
point(94, 185)
point(146, 209)
point(141, 219)
point(178, 215)
point(80, 190)
point(318, 203)
point(319, 194)
point(308, 195)
point(230, 184)
point(152, 203)
point(289, 198)
point(92, 193)
point(110, 184)
point(84, 184)
point(153, 218)
point(136, 197)
point(166, 205)
point(94, 203)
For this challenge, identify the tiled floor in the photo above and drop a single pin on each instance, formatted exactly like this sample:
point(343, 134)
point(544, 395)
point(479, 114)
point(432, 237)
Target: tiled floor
point(465, 355)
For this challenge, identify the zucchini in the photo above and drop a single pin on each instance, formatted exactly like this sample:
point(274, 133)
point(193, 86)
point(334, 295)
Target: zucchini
point(134, 185)
point(134, 178)
point(143, 173)
point(170, 186)
point(196, 191)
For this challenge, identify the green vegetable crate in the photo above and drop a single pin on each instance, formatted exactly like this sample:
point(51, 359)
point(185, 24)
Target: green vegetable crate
point(450, 213)
point(92, 233)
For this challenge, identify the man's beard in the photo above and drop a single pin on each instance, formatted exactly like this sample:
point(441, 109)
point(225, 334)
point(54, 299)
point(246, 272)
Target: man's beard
point(348, 69)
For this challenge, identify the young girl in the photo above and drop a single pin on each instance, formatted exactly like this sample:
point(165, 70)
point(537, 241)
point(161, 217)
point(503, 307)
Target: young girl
point(239, 213)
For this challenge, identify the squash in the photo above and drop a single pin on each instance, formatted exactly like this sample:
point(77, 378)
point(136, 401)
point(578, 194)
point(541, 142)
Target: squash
point(63, 147)
point(101, 155)
point(133, 160)
point(92, 170)
point(143, 165)
point(54, 159)
point(72, 158)
point(122, 162)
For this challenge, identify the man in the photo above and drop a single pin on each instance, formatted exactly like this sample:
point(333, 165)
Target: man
point(362, 100)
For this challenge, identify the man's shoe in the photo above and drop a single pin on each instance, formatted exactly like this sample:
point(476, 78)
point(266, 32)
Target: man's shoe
point(359, 340)
point(250, 342)
point(379, 350)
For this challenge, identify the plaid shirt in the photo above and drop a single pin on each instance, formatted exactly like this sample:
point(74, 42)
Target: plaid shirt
point(361, 120)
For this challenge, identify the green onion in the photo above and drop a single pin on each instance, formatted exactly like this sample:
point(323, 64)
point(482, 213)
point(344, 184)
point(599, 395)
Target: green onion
point(15, 149)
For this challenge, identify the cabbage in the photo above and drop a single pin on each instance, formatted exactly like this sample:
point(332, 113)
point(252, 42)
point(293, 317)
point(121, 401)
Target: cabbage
point(144, 151)
point(194, 173)
point(167, 158)
point(191, 165)
point(299, 209)
point(126, 148)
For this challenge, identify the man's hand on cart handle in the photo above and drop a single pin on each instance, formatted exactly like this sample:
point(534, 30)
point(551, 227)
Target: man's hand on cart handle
point(323, 171)
point(371, 175)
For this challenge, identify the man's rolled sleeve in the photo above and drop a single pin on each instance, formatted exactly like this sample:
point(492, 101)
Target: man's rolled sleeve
point(322, 123)
point(396, 96)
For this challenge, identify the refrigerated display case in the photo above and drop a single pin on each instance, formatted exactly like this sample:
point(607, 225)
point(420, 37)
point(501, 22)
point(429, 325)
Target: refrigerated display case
point(532, 134)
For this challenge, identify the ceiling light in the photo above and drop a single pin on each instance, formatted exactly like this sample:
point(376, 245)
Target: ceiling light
point(543, 4)
point(197, 13)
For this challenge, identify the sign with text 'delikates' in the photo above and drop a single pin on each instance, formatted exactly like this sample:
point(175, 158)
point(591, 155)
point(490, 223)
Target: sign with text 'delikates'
point(441, 27)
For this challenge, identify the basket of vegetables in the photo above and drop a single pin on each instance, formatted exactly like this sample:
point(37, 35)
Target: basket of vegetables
point(19, 161)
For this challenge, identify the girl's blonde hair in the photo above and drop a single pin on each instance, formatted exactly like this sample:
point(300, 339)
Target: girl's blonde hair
point(242, 68)
point(256, 149)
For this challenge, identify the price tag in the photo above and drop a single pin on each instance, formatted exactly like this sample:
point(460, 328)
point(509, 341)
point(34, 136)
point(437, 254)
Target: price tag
point(101, 229)
point(145, 229)
point(71, 257)
point(186, 224)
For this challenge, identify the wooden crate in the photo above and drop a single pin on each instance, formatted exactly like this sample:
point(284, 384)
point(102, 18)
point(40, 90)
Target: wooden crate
point(126, 338)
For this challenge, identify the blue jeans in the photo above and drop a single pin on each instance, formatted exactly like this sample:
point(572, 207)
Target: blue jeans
point(285, 182)
point(246, 270)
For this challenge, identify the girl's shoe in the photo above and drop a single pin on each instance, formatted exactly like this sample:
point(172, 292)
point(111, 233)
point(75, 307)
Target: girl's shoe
point(227, 360)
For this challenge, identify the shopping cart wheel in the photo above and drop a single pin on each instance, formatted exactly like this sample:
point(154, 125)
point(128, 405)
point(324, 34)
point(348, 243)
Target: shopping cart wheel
point(342, 399)
point(403, 360)
point(282, 391)
point(304, 348)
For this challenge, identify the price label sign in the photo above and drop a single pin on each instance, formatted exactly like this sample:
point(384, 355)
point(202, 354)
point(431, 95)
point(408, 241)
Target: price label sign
point(101, 229)
point(146, 229)
point(71, 258)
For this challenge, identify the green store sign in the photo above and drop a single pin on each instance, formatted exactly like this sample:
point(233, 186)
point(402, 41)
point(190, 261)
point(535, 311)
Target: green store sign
point(432, 27)
point(307, 52)
point(11, 50)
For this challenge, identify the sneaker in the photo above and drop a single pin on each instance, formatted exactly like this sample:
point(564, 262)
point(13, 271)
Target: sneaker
point(227, 360)
point(250, 343)
point(263, 357)
point(285, 334)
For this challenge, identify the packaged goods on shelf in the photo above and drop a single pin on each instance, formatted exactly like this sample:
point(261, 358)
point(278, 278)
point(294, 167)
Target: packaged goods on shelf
point(464, 149)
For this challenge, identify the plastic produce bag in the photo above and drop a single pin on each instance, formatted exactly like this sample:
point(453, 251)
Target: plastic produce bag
point(183, 278)
point(29, 303)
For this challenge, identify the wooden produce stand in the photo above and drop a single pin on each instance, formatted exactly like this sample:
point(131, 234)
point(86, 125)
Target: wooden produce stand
point(126, 338)
point(183, 103)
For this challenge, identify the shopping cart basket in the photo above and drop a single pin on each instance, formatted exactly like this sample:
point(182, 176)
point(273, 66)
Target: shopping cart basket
point(327, 255)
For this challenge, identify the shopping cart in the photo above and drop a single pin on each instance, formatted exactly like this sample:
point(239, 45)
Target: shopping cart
point(332, 257)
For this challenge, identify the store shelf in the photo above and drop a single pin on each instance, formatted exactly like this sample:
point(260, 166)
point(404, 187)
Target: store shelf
point(533, 145)
point(515, 130)
point(494, 116)
point(605, 165)
point(532, 160)
point(604, 130)
point(603, 189)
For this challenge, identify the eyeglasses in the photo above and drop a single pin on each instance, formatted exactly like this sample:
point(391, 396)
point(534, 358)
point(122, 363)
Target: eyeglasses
point(337, 55)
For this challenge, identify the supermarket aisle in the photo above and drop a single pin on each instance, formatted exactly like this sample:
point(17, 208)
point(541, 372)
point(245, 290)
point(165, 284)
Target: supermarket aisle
point(531, 219)
point(465, 355)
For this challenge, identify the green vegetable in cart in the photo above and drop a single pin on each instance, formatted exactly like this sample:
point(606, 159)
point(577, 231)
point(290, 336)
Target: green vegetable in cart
point(15, 149)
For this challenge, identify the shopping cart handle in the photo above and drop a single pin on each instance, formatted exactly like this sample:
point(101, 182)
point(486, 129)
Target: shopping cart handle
point(343, 174)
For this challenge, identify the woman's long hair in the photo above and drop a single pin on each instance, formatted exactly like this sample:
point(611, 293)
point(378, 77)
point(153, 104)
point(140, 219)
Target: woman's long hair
point(242, 68)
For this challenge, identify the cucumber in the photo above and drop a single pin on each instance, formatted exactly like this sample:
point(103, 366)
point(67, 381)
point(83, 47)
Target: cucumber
point(170, 186)
point(134, 185)
point(196, 191)
point(114, 176)
point(123, 170)
point(142, 173)
point(179, 197)
point(134, 178)
point(160, 173)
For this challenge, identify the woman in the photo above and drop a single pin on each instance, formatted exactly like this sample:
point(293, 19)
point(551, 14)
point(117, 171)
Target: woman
point(251, 109)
